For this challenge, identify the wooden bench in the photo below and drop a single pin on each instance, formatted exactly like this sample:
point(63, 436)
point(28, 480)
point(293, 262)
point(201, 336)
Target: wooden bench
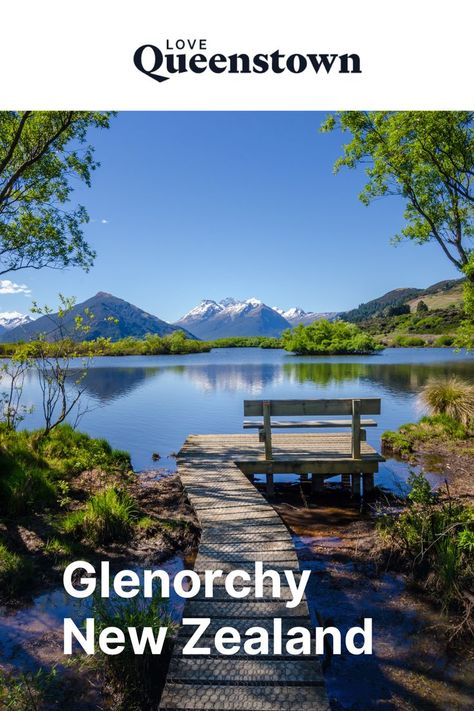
point(325, 454)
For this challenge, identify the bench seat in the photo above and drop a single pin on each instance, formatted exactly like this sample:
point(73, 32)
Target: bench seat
point(253, 424)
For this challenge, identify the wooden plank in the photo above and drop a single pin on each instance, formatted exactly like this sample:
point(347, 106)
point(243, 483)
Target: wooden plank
point(238, 528)
point(267, 429)
point(290, 424)
point(330, 467)
point(356, 429)
point(337, 406)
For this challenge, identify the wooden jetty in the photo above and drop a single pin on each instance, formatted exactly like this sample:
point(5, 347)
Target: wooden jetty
point(239, 527)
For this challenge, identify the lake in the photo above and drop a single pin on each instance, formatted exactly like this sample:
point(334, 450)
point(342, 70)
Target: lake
point(151, 404)
point(148, 404)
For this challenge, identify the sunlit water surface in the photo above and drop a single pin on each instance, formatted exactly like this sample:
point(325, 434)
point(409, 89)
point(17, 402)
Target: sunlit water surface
point(150, 404)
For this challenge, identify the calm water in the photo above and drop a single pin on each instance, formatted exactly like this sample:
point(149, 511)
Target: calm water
point(150, 404)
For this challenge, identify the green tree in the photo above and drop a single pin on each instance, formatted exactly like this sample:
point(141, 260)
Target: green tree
point(41, 154)
point(421, 307)
point(324, 336)
point(427, 157)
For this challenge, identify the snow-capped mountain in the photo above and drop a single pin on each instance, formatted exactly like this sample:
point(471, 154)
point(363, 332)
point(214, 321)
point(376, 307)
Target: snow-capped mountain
point(12, 319)
point(114, 318)
point(297, 315)
point(231, 317)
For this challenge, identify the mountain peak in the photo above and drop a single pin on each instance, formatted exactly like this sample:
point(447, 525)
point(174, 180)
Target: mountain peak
point(128, 320)
point(229, 301)
point(11, 319)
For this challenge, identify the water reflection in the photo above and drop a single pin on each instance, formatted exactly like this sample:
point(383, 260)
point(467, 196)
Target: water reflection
point(151, 404)
point(107, 384)
point(406, 377)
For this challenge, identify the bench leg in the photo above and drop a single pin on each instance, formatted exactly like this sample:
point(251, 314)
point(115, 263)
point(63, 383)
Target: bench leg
point(356, 485)
point(317, 483)
point(368, 483)
point(346, 481)
point(270, 486)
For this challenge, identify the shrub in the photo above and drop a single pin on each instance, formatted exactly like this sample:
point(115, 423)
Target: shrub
point(443, 341)
point(410, 341)
point(328, 337)
point(436, 537)
point(109, 515)
point(397, 310)
point(137, 679)
point(15, 571)
point(452, 397)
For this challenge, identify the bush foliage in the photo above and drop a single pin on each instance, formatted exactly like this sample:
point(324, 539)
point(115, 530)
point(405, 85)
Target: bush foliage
point(328, 337)
point(435, 535)
point(452, 397)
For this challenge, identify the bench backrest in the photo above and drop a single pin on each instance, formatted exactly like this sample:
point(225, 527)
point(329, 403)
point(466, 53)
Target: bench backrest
point(355, 407)
point(336, 406)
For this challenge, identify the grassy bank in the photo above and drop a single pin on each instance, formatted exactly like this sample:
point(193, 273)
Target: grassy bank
point(316, 339)
point(432, 428)
point(175, 344)
point(67, 495)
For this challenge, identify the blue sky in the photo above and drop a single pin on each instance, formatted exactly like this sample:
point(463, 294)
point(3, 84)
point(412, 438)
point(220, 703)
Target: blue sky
point(190, 205)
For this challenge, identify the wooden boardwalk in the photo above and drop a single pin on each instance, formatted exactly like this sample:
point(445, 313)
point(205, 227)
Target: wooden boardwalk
point(239, 527)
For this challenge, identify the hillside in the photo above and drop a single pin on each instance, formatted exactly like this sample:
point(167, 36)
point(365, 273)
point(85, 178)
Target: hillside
point(437, 296)
point(447, 294)
point(114, 318)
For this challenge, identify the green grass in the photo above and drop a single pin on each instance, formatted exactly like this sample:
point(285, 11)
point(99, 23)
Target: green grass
point(35, 691)
point(109, 515)
point(15, 571)
point(410, 341)
point(452, 397)
point(35, 470)
point(137, 679)
point(435, 427)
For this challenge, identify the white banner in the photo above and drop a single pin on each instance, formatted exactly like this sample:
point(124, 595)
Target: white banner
point(251, 54)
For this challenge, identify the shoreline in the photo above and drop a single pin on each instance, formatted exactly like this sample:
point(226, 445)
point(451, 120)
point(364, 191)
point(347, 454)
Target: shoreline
point(162, 498)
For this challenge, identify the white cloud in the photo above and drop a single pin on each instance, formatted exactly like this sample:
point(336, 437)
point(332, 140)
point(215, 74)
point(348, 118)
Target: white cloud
point(9, 287)
point(104, 221)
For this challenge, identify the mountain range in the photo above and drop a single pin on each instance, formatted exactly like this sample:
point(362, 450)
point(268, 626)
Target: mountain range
point(296, 315)
point(12, 319)
point(114, 318)
point(210, 320)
